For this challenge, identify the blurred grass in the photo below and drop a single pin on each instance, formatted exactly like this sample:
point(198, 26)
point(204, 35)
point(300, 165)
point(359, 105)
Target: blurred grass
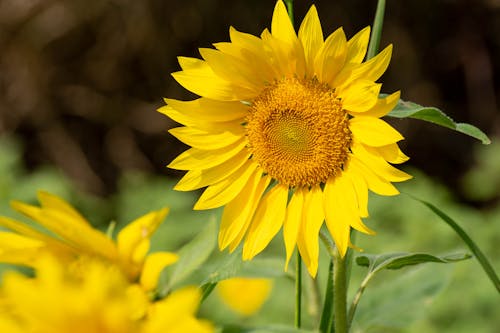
point(439, 298)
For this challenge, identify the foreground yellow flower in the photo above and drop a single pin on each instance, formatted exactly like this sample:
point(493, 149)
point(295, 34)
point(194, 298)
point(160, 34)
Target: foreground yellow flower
point(287, 133)
point(68, 236)
point(244, 295)
point(60, 300)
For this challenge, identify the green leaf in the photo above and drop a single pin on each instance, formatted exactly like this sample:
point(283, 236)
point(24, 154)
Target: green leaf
point(398, 300)
point(378, 262)
point(406, 109)
point(264, 329)
point(487, 267)
point(193, 254)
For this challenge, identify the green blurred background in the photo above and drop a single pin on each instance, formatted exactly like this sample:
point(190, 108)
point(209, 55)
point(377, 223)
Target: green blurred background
point(80, 82)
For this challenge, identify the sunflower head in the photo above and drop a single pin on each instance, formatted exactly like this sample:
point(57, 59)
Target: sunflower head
point(287, 133)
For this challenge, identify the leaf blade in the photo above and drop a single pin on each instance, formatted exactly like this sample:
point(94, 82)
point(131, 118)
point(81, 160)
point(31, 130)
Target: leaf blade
point(407, 109)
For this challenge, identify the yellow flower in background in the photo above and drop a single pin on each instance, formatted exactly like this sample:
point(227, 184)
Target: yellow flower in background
point(60, 300)
point(287, 133)
point(60, 230)
point(244, 295)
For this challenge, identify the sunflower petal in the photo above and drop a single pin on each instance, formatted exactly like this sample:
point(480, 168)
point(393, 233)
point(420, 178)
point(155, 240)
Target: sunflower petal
point(204, 109)
point(267, 222)
point(221, 193)
point(382, 107)
point(360, 96)
point(281, 26)
point(153, 265)
point(133, 239)
point(198, 159)
point(378, 165)
point(331, 56)
point(357, 45)
point(208, 140)
point(201, 80)
point(373, 181)
point(239, 211)
point(195, 179)
point(311, 37)
point(373, 131)
point(391, 153)
point(314, 216)
point(264, 183)
point(339, 213)
point(292, 223)
point(232, 69)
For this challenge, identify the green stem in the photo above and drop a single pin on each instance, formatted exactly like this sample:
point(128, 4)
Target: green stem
point(289, 7)
point(298, 290)
point(355, 301)
point(340, 292)
point(377, 30)
point(327, 314)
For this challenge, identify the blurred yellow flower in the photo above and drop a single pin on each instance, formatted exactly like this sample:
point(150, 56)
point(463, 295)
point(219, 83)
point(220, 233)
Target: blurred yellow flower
point(287, 133)
point(68, 236)
point(244, 295)
point(60, 299)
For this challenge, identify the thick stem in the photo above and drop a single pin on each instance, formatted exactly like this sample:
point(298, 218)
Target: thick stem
point(340, 292)
point(298, 291)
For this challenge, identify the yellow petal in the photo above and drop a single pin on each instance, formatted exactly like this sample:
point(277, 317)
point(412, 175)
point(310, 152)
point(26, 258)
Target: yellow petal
point(378, 165)
point(267, 221)
point(201, 80)
point(372, 69)
point(338, 212)
point(153, 266)
point(357, 45)
point(239, 212)
point(232, 69)
point(314, 216)
point(133, 239)
point(279, 55)
point(391, 153)
point(331, 56)
point(244, 295)
point(20, 250)
point(361, 189)
point(373, 131)
point(373, 181)
point(195, 158)
point(360, 96)
point(221, 193)
point(204, 109)
point(195, 179)
point(50, 201)
point(292, 223)
point(251, 49)
point(382, 107)
point(311, 37)
point(281, 26)
point(208, 140)
point(72, 231)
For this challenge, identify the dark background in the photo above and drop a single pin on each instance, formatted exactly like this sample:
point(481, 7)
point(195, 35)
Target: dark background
point(80, 80)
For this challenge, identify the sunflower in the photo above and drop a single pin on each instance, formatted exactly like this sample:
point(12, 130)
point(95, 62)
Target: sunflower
point(60, 230)
point(287, 133)
point(60, 299)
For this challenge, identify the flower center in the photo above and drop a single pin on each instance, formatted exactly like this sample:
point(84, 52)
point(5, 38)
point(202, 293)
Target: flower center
point(298, 132)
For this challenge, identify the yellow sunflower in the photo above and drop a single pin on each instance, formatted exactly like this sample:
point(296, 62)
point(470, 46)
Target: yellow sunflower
point(60, 230)
point(61, 299)
point(287, 133)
